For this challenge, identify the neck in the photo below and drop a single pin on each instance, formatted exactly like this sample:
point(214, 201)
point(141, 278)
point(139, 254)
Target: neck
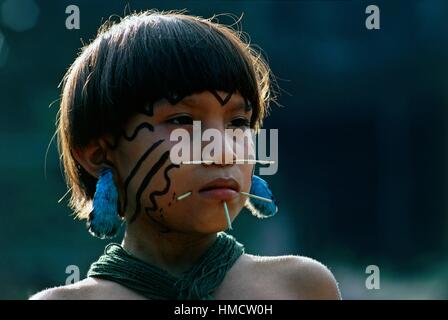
point(175, 252)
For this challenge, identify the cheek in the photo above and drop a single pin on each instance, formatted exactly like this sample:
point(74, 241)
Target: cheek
point(147, 176)
point(160, 198)
point(246, 172)
point(168, 185)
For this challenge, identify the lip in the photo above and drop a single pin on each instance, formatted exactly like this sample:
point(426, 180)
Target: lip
point(220, 189)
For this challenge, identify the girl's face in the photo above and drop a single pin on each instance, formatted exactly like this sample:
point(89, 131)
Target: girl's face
point(149, 183)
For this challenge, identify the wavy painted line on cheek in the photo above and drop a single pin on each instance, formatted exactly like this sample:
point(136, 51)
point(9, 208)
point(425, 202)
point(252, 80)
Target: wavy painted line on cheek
point(162, 192)
point(152, 172)
point(136, 168)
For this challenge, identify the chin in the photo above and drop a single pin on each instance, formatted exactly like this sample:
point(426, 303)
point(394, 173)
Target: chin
point(213, 223)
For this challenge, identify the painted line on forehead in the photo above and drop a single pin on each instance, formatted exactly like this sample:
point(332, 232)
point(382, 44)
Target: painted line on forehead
point(221, 101)
point(136, 168)
point(247, 105)
point(162, 192)
point(172, 99)
point(132, 137)
point(152, 172)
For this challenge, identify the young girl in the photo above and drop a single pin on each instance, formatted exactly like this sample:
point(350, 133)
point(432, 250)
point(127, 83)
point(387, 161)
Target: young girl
point(139, 80)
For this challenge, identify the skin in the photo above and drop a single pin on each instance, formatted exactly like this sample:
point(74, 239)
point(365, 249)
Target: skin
point(173, 234)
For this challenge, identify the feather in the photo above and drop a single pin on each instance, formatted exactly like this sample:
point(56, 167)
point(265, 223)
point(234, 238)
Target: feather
point(103, 220)
point(259, 208)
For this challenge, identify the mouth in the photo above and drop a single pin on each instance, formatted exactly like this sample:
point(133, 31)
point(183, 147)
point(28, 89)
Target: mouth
point(220, 189)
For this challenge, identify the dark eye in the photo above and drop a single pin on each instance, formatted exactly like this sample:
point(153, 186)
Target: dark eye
point(181, 120)
point(240, 122)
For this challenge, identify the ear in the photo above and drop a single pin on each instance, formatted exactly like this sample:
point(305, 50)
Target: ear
point(92, 157)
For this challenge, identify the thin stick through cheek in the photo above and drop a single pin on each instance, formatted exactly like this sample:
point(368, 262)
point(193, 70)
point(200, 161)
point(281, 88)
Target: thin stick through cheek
point(183, 196)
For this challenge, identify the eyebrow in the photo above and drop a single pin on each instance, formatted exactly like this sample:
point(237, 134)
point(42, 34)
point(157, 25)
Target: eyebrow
point(246, 106)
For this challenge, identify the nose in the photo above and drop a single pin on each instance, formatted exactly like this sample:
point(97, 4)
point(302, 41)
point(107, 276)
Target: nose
point(222, 152)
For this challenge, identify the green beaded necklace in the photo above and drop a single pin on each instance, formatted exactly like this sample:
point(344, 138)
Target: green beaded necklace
point(198, 283)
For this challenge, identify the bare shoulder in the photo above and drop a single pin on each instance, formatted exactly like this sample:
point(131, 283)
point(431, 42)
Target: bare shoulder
point(87, 289)
point(303, 277)
point(79, 290)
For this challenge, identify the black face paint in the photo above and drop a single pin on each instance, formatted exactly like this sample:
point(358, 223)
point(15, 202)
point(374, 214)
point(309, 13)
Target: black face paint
point(152, 172)
point(145, 125)
point(136, 168)
point(162, 192)
point(132, 137)
point(149, 210)
point(172, 98)
point(137, 130)
point(218, 97)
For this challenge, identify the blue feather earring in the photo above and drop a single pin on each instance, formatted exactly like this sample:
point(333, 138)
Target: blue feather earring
point(261, 202)
point(104, 220)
